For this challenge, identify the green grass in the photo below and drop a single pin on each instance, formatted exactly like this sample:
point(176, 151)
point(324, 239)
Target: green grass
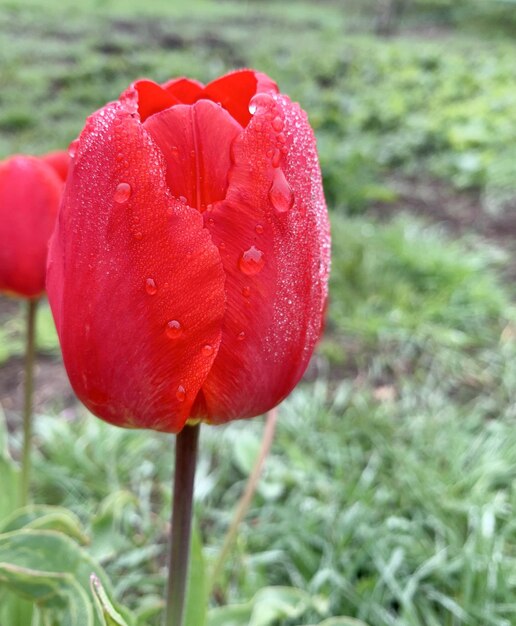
point(389, 492)
point(400, 515)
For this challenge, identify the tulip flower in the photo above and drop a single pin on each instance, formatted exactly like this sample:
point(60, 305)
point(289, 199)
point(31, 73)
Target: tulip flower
point(188, 271)
point(30, 193)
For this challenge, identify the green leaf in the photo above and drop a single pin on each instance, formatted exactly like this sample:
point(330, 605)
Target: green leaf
point(44, 517)
point(109, 616)
point(274, 603)
point(197, 591)
point(268, 606)
point(341, 621)
point(9, 473)
point(49, 568)
point(14, 609)
point(233, 615)
point(78, 610)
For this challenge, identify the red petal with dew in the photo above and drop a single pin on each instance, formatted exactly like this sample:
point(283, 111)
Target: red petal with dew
point(128, 261)
point(273, 224)
point(235, 90)
point(151, 97)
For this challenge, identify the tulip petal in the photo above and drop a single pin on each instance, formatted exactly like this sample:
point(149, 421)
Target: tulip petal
point(274, 233)
point(235, 90)
point(30, 193)
point(151, 98)
point(185, 90)
point(128, 268)
point(60, 161)
point(195, 141)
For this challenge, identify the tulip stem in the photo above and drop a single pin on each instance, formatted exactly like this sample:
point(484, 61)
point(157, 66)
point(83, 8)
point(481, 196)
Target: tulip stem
point(179, 548)
point(247, 496)
point(30, 350)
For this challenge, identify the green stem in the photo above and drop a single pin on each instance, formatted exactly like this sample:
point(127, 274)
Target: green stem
point(30, 351)
point(179, 550)
point(247, 496)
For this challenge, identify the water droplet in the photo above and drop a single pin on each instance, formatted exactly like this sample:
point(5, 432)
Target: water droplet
point(281, 138)
point(207, 350)
point(72, 148)
point(259, 228)
point(150, 286)
point(277, 124)
point(174, 329)
point(181, 393)
point(246, 291)
point(182, 199)
point(251, 261)
point(260, 101)
point(174, 150)
point(122, 192)
point(138, 235)
point(280, 193)
point(222, 245)
point(276, 158)
point(241, 336)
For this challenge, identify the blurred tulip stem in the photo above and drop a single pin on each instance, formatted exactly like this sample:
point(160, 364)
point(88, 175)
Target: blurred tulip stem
point(247, 496)
point(30, 351)
point(179, 548)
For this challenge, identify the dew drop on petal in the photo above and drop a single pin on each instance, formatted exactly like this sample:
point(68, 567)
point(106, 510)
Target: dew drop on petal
point(252, 261)
point(207, 349)
point(260, 101)
point(122, 193)
point(150, 286)
point(276, 158)
point(241, 336)
point(72, 148)
point(277, 124)
point(174, 329)
point(259, 228)
point(181, 393)
point(246, 291)
point(182, 199)
point(138, 235)
point(280, 193)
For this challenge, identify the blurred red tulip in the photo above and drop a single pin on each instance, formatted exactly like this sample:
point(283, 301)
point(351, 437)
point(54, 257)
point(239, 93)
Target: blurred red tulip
point(30, 193)
point(60, 161)
point(188, 271)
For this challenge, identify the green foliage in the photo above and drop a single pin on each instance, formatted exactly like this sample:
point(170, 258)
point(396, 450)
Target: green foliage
point(109, 616)
point(12, 332)
point(389, 493)
point(406, 281)
point(377, 105)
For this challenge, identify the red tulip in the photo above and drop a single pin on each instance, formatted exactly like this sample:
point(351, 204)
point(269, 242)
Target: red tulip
point(188, 271)
point(60, 161)
point(30, 193)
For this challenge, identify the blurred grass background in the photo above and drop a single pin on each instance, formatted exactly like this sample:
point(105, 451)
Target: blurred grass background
point(389, 494)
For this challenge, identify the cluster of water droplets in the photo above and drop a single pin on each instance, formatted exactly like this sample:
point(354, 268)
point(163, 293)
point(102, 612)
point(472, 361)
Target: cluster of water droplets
point(301, 251)
point(269, 118)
